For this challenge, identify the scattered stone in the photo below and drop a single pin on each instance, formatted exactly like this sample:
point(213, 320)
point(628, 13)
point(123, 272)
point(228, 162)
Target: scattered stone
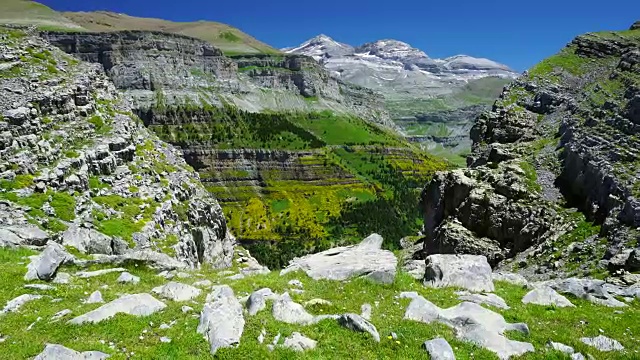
point(59, 352)
point(165, 340)
point(472, 323)
point(357, 323)
point(203, 283)
point(560, 347)
point(365, 311)
point(489, 299)
point(261, 337)
point(62, 278)
point(546, 296)
point(94, 298)
point(90, 241)
point(152, 259)
point(603, 343)
point(577, 356)
point(236, 277)
point(258, 300)
point(45, 265)
point(164, 326)
point(298, 342)
point(221, 320)
point(136, 305)
point(471, 272)
point(366, 259)
point(511, 278)
point(127, 278)
point(41, 287)
point(439, 349)
point(177, 291)
point(318, 302)
point(33, 323)
point(90, 274)
point(15, 304)
point(183, 275)
point(186, 309)
point(285, 310)
point(587, 289)
point(297, 283)
point(25, 234)
point(60, 314)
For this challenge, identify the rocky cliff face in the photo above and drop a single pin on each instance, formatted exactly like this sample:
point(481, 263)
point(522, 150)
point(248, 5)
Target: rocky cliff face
point(153, 68)
point(77, 167)
point(564, 135)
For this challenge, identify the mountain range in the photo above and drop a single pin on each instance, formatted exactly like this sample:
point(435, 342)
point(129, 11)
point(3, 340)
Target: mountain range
point(434, 101)
point(397, 69)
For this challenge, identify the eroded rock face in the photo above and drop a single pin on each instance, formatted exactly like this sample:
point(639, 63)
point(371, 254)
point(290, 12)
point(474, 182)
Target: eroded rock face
point(551, 138)
point(483, 211)
point(74, 143)
point(139, 62)
point(366, 259)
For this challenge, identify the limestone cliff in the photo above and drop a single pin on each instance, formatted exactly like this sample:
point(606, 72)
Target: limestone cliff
point(78, 167)
point(560, 142)
point(155, 67)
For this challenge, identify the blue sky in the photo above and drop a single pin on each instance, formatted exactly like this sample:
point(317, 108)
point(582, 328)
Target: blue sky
point(517, 33)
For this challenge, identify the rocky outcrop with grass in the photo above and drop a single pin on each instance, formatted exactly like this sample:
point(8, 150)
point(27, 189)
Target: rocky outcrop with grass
point(551, 187)
point(79, 168)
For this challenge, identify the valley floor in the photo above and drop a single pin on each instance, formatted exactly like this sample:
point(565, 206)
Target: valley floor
point(25, 333)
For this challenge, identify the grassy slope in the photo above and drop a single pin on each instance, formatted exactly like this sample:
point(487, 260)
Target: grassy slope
point(26, 12)
point(477, 92)
point(228, 39)
point(141, 336)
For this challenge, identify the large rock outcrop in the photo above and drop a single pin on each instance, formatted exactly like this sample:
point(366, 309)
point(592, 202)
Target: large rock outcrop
point(565, 133)
point(366, 259)
point(161, 68)
point(76, 162)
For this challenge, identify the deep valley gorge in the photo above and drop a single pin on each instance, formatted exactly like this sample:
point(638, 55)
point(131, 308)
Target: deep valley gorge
point(182, 190)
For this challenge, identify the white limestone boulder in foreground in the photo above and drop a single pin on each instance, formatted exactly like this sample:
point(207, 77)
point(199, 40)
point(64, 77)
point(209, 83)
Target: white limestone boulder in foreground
point(299, 342)
point(471, 272)
point(366, 259)
point(177, 291)
point(59, 352)
point(136, 305)
point(545, 295)
point(473, 323)
point(15, 304)
point(603, 343)
point(45, 265)
point(439, 349)
point(221, 319)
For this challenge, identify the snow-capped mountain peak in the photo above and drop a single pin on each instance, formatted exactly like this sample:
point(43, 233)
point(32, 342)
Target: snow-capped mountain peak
point(321, 46)
point(392, 50)
point(395, 68)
